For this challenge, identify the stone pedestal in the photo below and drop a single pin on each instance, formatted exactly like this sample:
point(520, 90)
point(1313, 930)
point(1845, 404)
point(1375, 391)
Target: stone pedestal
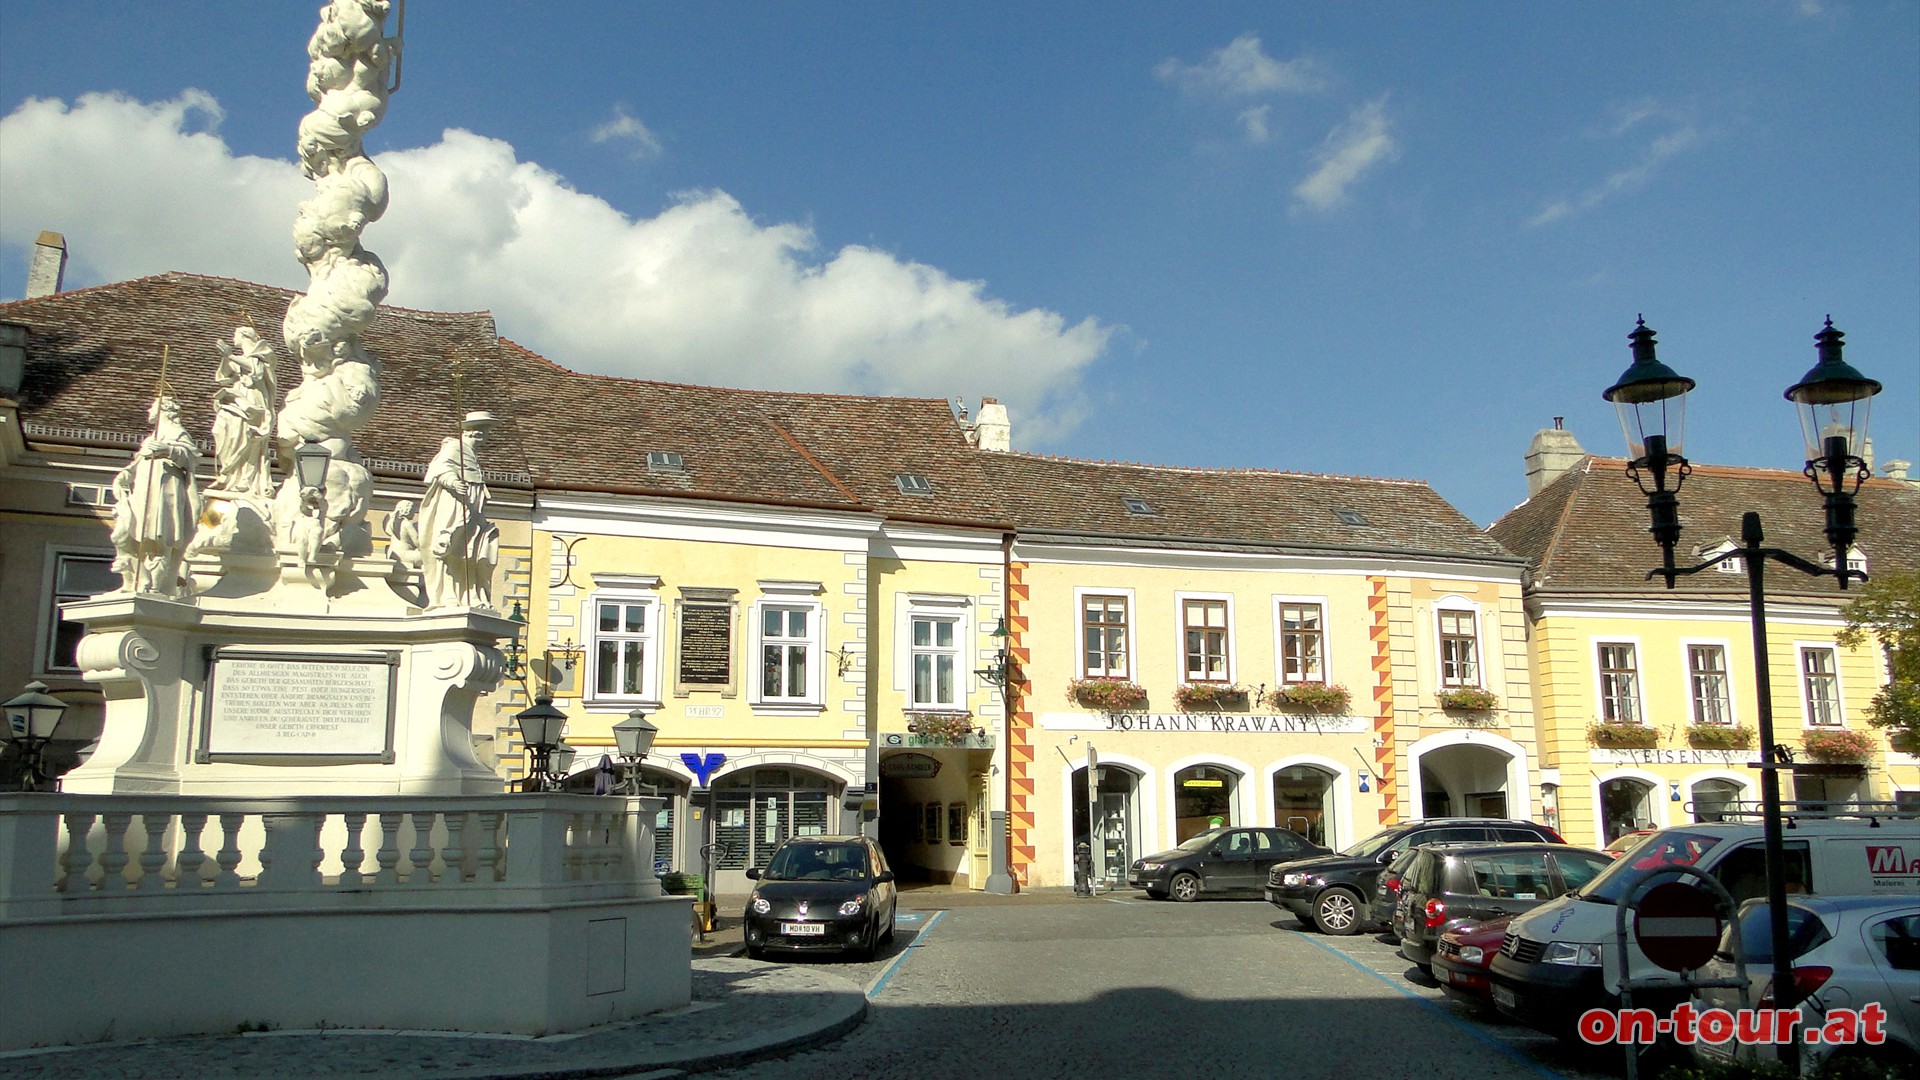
point(286, 692)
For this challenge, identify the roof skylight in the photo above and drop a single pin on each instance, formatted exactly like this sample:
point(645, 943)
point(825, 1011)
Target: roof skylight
point(663, 461)
point(1139, 507)
point(913, 484)
point(1351, 517)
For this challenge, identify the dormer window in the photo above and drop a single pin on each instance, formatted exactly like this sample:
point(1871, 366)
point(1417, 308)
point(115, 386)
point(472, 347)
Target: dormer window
point(913, 484)
point(662, 461)
point(1351, 517)
point(1856, 559)
point(1139, 507)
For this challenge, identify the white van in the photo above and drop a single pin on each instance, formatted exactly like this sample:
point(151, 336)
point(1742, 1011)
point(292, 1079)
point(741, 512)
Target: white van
point(1550, 966)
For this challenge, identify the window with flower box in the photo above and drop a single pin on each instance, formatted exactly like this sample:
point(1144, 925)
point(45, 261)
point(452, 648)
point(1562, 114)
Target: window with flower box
point(1103, 636)
point(1820, 686)
point(1459, 648)
point(1707, 675)
point(1302, 642)
point(1205, 632)
point(1619, 683)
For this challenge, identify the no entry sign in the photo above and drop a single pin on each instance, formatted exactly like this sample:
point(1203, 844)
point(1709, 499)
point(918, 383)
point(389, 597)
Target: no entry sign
point(1677, 926)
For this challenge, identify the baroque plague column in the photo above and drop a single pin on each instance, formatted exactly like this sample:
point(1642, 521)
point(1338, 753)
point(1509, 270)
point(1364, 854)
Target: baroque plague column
point(256, 645)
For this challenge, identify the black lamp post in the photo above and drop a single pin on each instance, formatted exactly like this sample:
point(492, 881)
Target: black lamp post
point(540, 727)
point(1000, 668)
point(633, 737)
point(32, 721)
point(1834, 401)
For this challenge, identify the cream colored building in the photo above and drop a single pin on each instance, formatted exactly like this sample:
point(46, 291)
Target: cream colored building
point(1677, 667)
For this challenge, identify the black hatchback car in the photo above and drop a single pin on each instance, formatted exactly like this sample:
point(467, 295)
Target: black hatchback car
point(1332, 892)
point(821, 894)
point(1450, 886)
point(1219, 862)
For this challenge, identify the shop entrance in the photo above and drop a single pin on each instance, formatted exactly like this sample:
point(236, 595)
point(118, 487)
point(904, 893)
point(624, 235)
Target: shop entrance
point(1626, 804)
point(1303, 801)
point(1203, 798)
point(1111, 825)
point(1464, 780)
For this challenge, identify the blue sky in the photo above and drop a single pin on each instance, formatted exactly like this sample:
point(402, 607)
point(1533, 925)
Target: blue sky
point(1371, 239)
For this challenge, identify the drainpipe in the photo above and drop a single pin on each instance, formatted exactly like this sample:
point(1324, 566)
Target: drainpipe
point(1000, 880)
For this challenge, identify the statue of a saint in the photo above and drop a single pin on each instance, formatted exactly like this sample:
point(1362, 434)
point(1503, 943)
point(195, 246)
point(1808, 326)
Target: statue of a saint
point(460, 547)
point(158, 505)
point(243, 416)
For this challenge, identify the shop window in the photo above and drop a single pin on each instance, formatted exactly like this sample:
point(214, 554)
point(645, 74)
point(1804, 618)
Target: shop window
point(1303, 802)
point(755, 809)
point(1626, 805)
point(1820, 686)
point(1707, 673)
point(75, 577)
point(1203, 798)
point(1619, 683)
point(1302, 643)
point(1713, 798)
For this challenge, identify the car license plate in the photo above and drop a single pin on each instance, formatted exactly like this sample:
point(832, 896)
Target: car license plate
point(803, 929)
point(1505, 998)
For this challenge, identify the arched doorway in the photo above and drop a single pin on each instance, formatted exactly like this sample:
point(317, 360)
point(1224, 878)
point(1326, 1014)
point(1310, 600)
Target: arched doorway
point(1203, 798)
point(1303, 800)
point(1712, 798)
point(669, 853)
point(1110, 823)
point(755, 809)
point(1468, 780)
point(1626, 804)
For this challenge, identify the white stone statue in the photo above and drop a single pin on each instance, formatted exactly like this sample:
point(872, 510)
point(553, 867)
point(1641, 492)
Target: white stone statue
point(243, 416)
point(459, 546)
point(158, 505)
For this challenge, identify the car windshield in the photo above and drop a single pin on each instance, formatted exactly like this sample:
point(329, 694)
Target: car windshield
point(1673, 848)
point(1199, 843)
point(810, 861)
point(1371, 845)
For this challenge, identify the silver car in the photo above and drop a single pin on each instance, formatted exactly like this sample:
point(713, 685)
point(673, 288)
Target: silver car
point(1848, 952)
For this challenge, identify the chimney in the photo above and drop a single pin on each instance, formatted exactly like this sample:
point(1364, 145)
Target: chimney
point(49, 265)
point(1896, 469)
point(1553, 451)
point(995, 430)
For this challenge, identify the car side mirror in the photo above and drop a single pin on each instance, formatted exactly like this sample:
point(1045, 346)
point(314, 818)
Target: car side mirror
point(885, 876)
point(753, 873)
point(1384, 858)
point(1214, 852)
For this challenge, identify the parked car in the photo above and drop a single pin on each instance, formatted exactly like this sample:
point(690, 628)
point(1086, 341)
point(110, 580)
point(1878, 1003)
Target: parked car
point(821, 894)
point(1447, 886)
point(1549, 970)
point(1219, 862)
point(1332, 892)
point(1386, 891)
point(1460, 961)
point(1846, 952)
point(1626, 842)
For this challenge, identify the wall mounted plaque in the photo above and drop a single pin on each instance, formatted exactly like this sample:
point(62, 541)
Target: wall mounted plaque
point(279, 706)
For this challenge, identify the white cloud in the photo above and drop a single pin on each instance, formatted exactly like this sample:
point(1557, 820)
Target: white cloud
point(1679, 137)
point(1348, 153)
point(626, 128)
point(1254, 122)
point(699, 292)
point(1240, 68)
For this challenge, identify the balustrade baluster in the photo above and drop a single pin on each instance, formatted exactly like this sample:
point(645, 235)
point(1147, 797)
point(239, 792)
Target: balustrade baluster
point(191, 857)
point(421, 854)
point(75, 861)
point(352, 855)
point(229, 854)
point(576, 841)
point(114, 858)
point(389, 854)
point(153, 858)
point(491, 867)
point(453, 857)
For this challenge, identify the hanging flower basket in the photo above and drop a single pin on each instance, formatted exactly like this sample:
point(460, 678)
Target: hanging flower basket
point(951, 728)
point(1209, 697)
point(1468, 699)
point(1719, 737)
point(1107, 695)
point(1623, 736)
point(1321, 698)
point(1838, 746)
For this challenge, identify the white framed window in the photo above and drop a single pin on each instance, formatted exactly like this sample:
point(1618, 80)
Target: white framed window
point(933, 642)
point(623, 651)
point(1458, 633)
point(1300, 628)
point(790, 625)
point(71, 576)
point(1820, 686)
point(1619, 670)
point(1707, 684)
point(1106, 632)
point(1206, 637)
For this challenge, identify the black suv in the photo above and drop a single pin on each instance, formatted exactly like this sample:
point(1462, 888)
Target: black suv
point(1446, 887)
point(1332, 891)
point(1219, 863)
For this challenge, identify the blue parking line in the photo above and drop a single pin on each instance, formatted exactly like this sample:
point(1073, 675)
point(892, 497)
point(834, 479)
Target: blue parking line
point(880, 983)
point(1442, 1013)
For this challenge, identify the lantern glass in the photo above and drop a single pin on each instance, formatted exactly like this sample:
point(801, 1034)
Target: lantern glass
point(1833, 401)
point(541, 724)
point(633, 737)
point(310, 460)
point(35, 715)
point(563, 756)
point(1651, 399)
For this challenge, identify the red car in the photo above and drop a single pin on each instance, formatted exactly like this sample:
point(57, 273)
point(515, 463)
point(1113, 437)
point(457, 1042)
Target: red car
point(1460, 962)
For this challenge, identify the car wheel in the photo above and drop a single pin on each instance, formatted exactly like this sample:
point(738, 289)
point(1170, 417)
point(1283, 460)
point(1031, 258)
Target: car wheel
point(1337, 912)
point(755, 952)
point(1184, 888)
point(889, 938)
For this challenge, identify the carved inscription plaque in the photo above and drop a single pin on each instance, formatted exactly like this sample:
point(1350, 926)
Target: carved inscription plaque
point(299, 705)
point(706, 644)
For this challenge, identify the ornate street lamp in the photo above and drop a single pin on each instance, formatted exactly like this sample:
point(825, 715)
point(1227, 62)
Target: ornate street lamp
point(310, 460)
point(32, 721)
point(633, 737)
point(540, 727)
point(1834, 400)
point(1000, 668)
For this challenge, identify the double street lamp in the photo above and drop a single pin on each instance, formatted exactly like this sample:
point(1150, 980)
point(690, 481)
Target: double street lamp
point(633, 737)
point(549, 760)
point(32, 721)
point(1833, 400)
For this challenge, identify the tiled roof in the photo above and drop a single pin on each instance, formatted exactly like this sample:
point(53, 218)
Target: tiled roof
point(94, 357)
point(1587, 530)
point(1242, 506)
